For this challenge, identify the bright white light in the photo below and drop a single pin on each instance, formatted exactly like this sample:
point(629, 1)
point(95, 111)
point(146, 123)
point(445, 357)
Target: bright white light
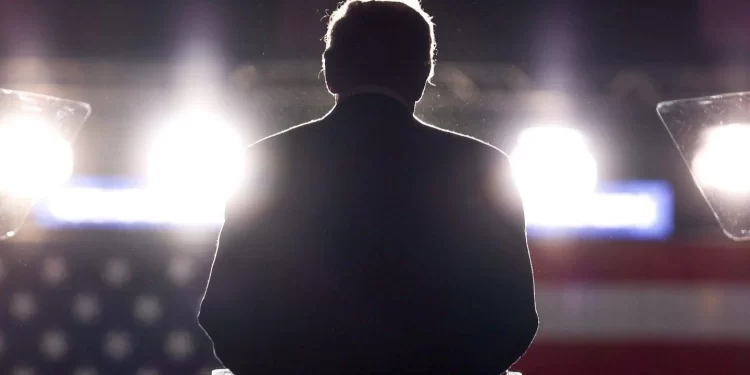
point(722, 162)
point(133, 206)
point(553, 163)
point(144, 206)
point(34, 157)
point(597, 210)
point(197, 154)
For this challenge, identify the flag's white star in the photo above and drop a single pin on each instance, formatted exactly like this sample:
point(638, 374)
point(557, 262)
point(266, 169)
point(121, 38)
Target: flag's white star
point(147, 309)
point(54, 345)
point(179, 345)
point(181, 270)
point(117, 272)
point(54, 271)
point(23, 306)
point(117, 345)
point(85, 307)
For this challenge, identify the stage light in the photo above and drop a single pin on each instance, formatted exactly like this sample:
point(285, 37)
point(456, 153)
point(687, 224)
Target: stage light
point(722, 162)
point(34, 157)
point(130, 206)
point(198, 155)
point(630, 209)
point(553, 163)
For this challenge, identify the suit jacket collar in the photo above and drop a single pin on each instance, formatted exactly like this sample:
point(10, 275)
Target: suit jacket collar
point(378, 90)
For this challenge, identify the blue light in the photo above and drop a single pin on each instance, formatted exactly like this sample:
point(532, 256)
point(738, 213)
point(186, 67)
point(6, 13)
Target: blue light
point(641, 210)
point(625, 210)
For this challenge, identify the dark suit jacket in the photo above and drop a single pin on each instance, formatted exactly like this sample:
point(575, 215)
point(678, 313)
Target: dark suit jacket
point(368, 242)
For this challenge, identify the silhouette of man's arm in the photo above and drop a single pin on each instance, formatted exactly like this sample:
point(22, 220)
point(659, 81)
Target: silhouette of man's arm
point(241, 309)
point(510, 322)
point(230, 310)
point(523, 278)
point(221, 310)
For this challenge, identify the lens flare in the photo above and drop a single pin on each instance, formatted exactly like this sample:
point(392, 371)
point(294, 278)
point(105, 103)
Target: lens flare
point(34, 157)
point(553, 163)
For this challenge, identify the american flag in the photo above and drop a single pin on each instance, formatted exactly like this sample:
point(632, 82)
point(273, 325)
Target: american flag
point(85, 308)
point(128, 306)
point(641, 308)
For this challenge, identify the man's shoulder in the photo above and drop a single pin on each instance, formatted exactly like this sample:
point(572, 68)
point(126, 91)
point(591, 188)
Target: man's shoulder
point(280, 145)
point(434, 136)
point(286, 135)
point(462, 142)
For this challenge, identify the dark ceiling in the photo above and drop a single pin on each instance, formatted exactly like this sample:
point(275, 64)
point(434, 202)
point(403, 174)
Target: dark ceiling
point(574, 48)
point(581, 32)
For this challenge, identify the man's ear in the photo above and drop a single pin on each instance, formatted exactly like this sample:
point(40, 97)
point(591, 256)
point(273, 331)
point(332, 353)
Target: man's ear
point(330, 65)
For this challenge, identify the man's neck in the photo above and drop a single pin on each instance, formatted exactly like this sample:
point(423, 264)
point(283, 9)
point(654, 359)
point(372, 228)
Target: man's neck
point(374, 89)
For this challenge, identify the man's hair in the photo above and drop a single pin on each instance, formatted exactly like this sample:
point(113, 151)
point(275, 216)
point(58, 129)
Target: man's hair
point(380, 37)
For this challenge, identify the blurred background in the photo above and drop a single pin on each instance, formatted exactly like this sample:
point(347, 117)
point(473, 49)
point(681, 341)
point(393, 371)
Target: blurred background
point(633, 273)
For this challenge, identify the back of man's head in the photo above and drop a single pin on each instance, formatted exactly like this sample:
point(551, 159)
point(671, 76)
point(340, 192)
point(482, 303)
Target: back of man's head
point(388, 43)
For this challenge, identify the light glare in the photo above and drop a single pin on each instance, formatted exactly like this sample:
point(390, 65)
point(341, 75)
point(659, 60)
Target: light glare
point(34, 158)
point(722, 162)
point(597, 210)
point(133, 206)
point(553, 162)
point(197, 154)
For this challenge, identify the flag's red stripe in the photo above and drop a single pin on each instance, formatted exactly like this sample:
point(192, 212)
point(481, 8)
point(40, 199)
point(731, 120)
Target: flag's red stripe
point(719, 358)
point(640, 261)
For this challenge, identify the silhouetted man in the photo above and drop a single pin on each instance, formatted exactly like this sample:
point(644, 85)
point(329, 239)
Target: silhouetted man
point(368, 242)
